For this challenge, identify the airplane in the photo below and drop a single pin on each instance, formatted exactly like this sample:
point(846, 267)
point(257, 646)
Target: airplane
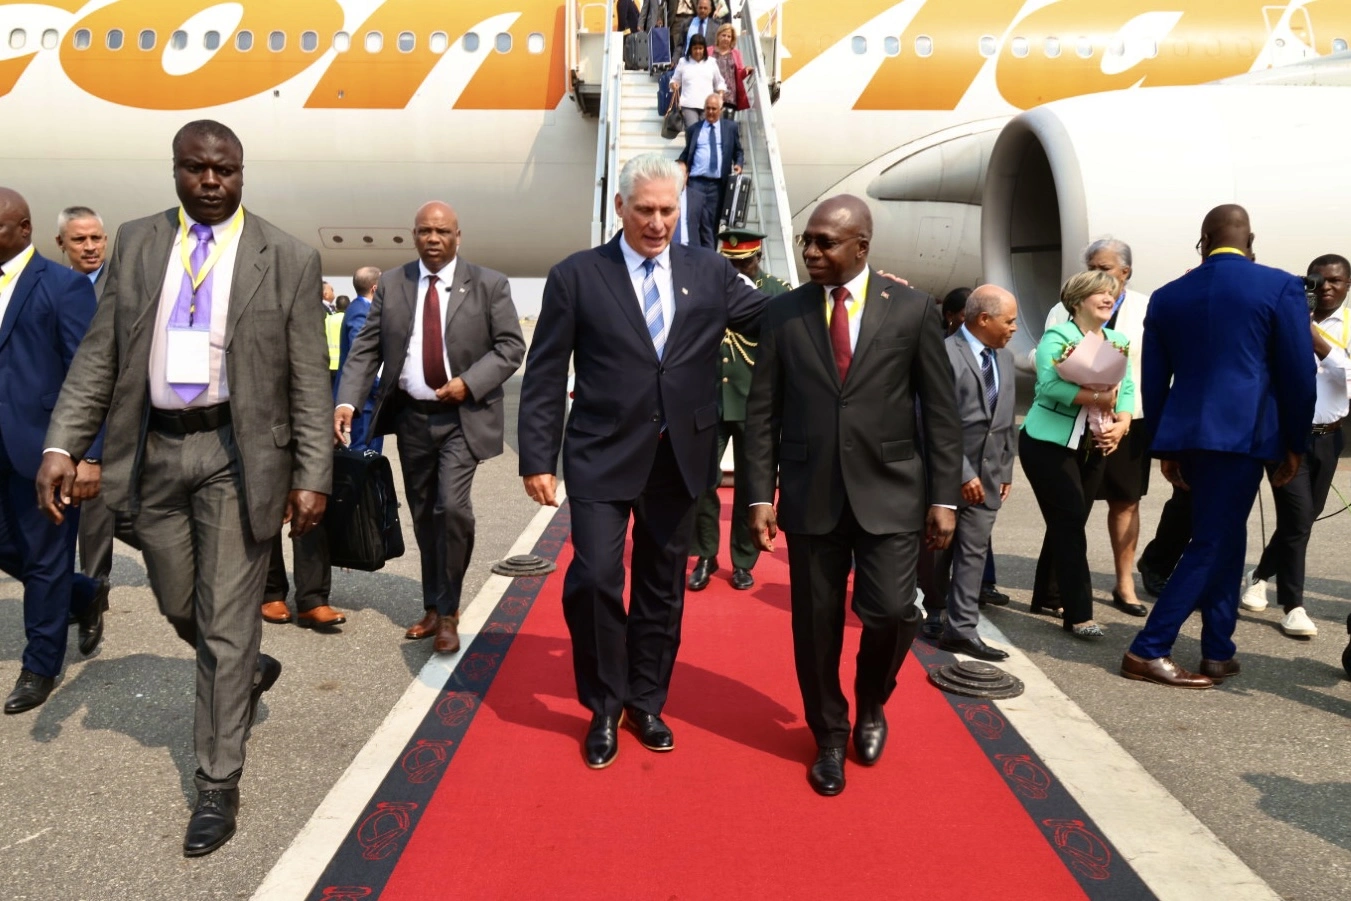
point(992, 138)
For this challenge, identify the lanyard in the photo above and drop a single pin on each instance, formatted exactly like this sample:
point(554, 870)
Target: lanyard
point(14, 267)
point(1117, 306)
point(1346, 331)
point(236, 224)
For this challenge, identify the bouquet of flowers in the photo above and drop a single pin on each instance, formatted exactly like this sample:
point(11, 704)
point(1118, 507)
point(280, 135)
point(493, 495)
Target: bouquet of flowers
point(1098, 365)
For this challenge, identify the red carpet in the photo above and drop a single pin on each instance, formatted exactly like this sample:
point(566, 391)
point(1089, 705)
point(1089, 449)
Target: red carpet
point(729, 813)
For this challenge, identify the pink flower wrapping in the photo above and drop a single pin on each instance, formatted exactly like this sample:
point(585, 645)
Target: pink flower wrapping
point(1098, 365)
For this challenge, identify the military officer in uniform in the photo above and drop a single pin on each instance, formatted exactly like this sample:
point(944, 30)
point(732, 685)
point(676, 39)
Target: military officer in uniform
point(742, 248)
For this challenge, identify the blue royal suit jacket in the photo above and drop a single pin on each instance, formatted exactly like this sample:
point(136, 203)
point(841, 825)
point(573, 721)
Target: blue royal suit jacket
point(48, 314)
point(622, 391)
point(1228, 361)
point(728, 154)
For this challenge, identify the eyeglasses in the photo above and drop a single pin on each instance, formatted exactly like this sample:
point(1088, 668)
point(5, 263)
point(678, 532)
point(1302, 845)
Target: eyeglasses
point(1199, 241)
point(825, 245)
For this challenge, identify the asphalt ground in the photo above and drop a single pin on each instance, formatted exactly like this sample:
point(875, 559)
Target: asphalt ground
point(96, 785)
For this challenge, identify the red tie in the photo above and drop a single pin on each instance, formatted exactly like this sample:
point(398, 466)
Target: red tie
point(433, 345)
point(839, 332)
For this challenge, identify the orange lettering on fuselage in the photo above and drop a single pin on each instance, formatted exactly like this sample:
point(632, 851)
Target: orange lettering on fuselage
point(11, 69)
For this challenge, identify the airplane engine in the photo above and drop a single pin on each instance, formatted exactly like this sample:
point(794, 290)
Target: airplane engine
point(1144, 166)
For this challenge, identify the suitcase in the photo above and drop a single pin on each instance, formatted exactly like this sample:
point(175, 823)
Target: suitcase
point(637, 55)
point(664, 93)
point(738, 200)
point(659, 51)
point(362, 519)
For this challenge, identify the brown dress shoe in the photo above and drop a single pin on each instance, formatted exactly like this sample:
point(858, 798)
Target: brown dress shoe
point(1161, 671)
point(425, 627)
point(321, 617)
point(1219, 670)
point(447, 638)
point(276, 612)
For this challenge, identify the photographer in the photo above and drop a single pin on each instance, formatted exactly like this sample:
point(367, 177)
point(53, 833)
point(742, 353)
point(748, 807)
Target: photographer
point(1300, 502)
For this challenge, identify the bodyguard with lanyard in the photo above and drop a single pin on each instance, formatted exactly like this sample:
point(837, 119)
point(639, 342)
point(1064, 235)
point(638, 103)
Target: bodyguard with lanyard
point(1300, 501)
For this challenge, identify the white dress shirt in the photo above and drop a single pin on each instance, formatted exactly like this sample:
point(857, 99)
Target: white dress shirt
point(978, 347)
point(702, 164)
point(162, 394)
point(13, 271)
point(411, 380)
point(662, 274)
point(1334, 370)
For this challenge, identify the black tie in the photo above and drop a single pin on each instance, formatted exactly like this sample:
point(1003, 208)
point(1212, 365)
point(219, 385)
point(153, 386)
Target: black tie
point(987, 371)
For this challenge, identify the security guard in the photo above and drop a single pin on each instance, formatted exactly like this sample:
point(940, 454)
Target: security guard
point(742, 248)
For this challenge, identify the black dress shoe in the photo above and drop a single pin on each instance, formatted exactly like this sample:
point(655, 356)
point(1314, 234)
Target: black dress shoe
point(742, 579)
point(992, 596)
point(269, 668)
point(212, 822)
point(703, 571)
point(601, 746)
point(870, 734)
point(652, 733)
point(91, 620)
point(932, 629)
point(826, 774)
point(30, 691)
point(1151, 580)
point(973, 647)
point(1120, 603)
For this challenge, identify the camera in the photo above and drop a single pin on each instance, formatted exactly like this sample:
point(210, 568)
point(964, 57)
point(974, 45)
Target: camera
point(1312, 285)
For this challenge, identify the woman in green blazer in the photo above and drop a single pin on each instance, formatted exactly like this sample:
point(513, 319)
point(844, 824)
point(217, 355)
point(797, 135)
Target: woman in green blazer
point(1062, 458)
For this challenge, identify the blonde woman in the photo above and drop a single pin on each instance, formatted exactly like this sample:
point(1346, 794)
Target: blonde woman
point(728, 57)
point(1062, 458)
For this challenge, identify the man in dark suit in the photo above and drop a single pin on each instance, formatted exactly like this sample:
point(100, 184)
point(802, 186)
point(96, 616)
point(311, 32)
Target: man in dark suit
point(207, 360)
point(44, 311)
point(364, 281)
point(448, 336)
point(712, 155)
point(1259, 354)
point(843, 362)
point(641, 319)
point(982, 367)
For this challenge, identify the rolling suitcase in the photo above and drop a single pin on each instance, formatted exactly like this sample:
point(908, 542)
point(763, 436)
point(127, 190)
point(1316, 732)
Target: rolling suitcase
point(362, 519)
point(738, 200)
point(636, 52)
point(664, 93)
point(659, 50)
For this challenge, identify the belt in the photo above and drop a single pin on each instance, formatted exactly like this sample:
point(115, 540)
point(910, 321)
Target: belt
point(1328, 428)
point(191, 420)
point(429, 407)
point(704, 178)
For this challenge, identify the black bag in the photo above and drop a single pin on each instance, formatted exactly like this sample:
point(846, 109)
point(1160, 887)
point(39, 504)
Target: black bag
point(672, 123)
point(636, 51)
point(363, 512)
point(738, 200)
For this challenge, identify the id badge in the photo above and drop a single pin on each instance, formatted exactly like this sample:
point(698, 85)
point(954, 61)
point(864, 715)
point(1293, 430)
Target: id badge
point(188, 361)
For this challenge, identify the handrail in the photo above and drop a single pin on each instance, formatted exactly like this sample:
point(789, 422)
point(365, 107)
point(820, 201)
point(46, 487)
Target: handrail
point(570, 48)
point(607, 129)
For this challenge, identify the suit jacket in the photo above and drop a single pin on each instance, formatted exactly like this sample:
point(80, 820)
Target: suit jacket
point(47, 316)
point(856, 440)
point(276, 365)
point(101, 281)
point(1248, 388)
point(729, 151)
point(483, 342)
point(987, 435)
point(656, 13)
point(622, 391)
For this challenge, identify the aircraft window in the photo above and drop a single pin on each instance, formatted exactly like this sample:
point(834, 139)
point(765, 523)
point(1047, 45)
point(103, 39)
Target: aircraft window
point(179, 40)
point(146, 40)
point(50, 38)
point(1051, 47)
point(1084, 47)
point(503, 42)
point(114, 39)
point(211, 40)
point(309, 41)
point(988, 46)
point(83, 39)
point(342, 42)
point(891, 45)
point(276, 41)
point(375, 42)
point(859, 44)
point(534, 43)
point(17, 38)
point(924, 45)
point(244, 41)
point(1117, 48)
point(1339, 45)
point(1151, 48)
point(439, 42)
point(470, 42)
point(407, 42)
point(1020, 47)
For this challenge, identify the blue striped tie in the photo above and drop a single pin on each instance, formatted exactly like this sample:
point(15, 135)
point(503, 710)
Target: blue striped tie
point(656, 322)
point(987, 371)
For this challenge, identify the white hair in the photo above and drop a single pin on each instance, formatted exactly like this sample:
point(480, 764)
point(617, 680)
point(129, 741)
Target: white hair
point(1120, 248)
point(649, 167)
point(71, 213)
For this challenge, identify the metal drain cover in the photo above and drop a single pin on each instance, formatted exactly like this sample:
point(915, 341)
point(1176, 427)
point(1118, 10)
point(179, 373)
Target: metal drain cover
point(524, 565)
point(976, 679)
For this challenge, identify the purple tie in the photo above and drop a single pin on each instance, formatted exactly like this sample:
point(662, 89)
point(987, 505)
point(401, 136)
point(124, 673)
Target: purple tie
point(193, 308)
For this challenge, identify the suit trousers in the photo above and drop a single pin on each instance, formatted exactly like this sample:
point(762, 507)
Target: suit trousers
point(41, 556)
point(1223, 488)
point(1065, 481)
point(1170, 536)
point(1298, 503)
point(207, 571)
point(314, 575)
point(965, 558)
point(935, 576)
point(707, 512)
point(438, 478)
point(883, 599)
point(626, 658)
point(98, 527)
point(705, 209)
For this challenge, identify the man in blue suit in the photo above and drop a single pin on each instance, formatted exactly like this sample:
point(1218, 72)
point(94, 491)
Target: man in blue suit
point(711, 156)
point(363, 282)
point(642, 321)
point(44, 312)
point(1219, 410)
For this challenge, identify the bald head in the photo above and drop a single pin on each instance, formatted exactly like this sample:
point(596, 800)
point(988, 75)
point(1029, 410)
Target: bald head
point(992, 315)
point(365, 279)
point(16, 226)
point(835, 243)
point(436, 232)
point(1226, 225)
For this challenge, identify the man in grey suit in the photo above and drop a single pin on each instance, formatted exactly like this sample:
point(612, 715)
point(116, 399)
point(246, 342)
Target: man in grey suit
point(208, 361)
point(448, 336)
point(982, 366)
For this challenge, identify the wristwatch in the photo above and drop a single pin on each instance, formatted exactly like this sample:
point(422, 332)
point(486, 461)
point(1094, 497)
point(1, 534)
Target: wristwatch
point(94, 460)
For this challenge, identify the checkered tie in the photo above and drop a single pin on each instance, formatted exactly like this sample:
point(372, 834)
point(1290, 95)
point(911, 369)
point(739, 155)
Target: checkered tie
point(656, 322)
point(987, 371)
